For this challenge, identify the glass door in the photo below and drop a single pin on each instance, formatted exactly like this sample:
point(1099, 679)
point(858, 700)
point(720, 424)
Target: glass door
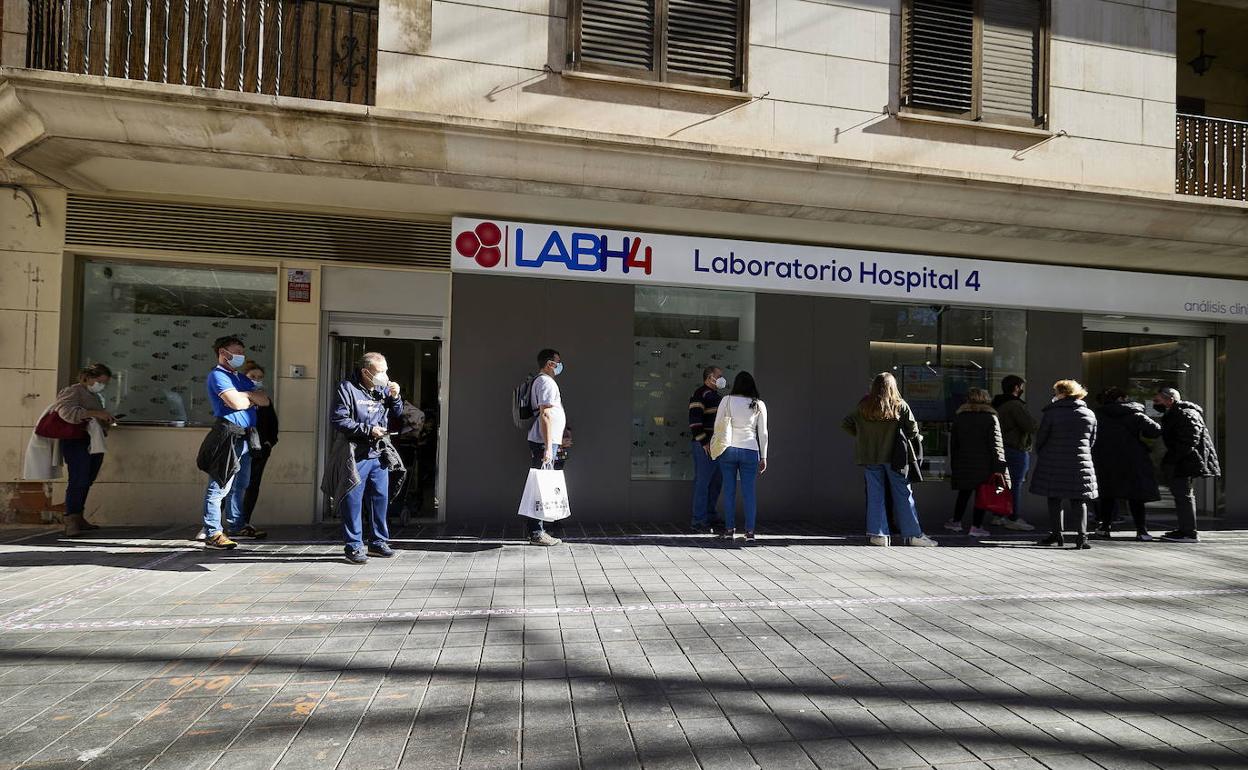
point(1142, 357)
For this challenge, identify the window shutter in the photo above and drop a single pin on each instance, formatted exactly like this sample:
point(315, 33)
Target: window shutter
point(1011, 47)
point(704, 39)
point(618, 33)
point(940, 55)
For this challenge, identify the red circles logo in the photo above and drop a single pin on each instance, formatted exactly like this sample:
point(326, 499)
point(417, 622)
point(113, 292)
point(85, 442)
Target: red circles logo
point(481, 243)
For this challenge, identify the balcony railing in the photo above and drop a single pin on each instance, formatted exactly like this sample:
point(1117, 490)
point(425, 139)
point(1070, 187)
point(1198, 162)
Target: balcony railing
point(1212, 157)
point(316, 49)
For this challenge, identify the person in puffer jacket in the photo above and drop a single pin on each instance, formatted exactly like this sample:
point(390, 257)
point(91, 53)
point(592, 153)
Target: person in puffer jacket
point(1190, 455)
point(1064, 467)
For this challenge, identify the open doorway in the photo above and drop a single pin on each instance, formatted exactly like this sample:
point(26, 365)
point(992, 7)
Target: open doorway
point(414, 357)
point(1142, 357)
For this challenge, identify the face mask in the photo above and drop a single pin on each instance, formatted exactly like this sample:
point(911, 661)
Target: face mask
point(721, 383)
point(96, 387)
point(258, 383)
point(558, 368)
point(237, 360)
point(381, 381)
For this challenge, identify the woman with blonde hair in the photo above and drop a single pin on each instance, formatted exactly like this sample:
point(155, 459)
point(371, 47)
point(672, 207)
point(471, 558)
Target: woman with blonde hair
point(1064, 467)
point(881, 419)
point(976, 455)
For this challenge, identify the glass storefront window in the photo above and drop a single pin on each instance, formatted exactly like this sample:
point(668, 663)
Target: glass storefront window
point(154, 325)
point(937, 353)
point(676, 334)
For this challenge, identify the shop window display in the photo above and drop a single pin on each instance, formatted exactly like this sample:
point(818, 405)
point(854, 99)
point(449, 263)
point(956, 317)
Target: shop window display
point(937, 353)
point(154, 324)
point(677, 333)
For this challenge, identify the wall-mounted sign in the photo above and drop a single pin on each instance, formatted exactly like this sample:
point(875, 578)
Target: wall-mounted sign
point(586, 253)
point(298, 285)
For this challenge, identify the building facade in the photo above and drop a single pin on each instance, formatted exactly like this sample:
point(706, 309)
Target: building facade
point(328, 177)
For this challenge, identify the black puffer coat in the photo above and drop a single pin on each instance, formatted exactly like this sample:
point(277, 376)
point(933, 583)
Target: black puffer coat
point(1124, 469)
point(1064, 452)
point(976, 450)
point(1189, 449)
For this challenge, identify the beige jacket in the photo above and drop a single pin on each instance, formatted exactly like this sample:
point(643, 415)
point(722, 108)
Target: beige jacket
point(73, 403)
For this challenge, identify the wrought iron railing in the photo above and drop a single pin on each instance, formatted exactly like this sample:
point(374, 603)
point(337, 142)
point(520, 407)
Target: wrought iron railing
point(316, 49)
point(1212, 157)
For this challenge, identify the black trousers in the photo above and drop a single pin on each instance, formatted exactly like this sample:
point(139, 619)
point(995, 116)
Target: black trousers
point(959, 508)
point(258, 461)
point(1078, 509)
point(1107, 508)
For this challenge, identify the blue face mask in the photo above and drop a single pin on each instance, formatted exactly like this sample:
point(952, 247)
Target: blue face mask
point(558, 368)
point(237, 360)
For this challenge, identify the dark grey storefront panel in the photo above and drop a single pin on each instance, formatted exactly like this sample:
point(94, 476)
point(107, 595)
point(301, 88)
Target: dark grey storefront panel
point(1236, 426)
point(498, 325)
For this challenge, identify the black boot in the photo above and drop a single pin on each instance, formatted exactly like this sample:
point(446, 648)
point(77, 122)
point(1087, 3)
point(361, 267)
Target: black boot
point(1081, 542)
point(1055, 538)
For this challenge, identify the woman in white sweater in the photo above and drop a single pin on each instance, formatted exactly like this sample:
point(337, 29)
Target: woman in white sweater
point(741, 437)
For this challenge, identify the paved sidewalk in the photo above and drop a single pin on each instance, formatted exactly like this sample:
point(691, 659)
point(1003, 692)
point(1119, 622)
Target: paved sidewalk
point(623, 648)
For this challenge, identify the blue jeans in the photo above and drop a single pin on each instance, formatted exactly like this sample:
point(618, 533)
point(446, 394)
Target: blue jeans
point(707, 480)
point(903, 502)
point(227, 499)
point(83, 468)
point(375, 484)
point(732, 462)
point(1018, 462)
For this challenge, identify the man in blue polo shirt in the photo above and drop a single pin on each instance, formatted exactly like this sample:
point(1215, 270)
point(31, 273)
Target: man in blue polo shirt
point(234, 398)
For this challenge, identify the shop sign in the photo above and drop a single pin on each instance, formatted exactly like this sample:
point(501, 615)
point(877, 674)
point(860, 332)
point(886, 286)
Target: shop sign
point(586, 253)
point(298, 285)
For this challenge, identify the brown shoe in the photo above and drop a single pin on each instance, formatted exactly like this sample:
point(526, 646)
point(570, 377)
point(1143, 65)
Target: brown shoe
point(74, 524)
point(87, 526)
point(220, 542)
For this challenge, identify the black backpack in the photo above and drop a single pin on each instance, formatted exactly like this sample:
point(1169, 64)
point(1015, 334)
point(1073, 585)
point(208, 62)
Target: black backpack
point(522, 403)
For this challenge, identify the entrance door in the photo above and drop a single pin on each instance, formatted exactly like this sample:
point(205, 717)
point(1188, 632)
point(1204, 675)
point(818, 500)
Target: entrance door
point(1141, 357)
point(413, 350)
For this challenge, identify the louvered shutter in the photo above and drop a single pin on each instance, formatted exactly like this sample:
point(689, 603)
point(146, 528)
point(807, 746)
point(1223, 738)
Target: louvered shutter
point(618, 33)
point(1010, 59)
point(940, 55)
point(704, 41)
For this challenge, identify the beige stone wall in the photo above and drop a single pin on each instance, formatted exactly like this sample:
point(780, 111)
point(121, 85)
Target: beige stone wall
point(823, 73)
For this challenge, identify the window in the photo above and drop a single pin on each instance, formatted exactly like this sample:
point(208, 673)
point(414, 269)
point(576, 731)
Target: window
point(976, 59)
point(154, 325)
point(937, 353)
point(694, 42)
point(676, 334)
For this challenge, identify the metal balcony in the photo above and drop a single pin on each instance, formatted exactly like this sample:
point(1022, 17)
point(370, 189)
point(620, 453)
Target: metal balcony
point(315, 49)
point(1212, 157)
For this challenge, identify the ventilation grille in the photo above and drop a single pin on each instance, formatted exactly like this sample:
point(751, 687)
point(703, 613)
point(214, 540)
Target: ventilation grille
point(618, 32)
point(256, 233)
point(704, 38)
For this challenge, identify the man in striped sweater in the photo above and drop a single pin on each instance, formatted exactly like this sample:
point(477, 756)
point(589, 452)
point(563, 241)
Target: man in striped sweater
point(706, 477)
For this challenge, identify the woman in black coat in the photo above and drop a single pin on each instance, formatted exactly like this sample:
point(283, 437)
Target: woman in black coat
point(1064, 468)
point(1124, 469)
point(976, 454)
point(266, 426)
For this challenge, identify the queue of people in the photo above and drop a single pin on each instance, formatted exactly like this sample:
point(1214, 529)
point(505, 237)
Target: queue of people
point(1086, 460)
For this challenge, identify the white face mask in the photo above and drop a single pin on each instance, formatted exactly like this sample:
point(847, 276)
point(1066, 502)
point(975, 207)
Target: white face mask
point(96, 387)
point(381, 381)
point(721, 383)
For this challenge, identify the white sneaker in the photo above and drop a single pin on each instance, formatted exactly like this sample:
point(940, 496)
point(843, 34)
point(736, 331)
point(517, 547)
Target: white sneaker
point(1017, 524)
point(544, 538)
point(883, 541)
point(203, 535)
point(922, 541)
point(953, 526)
point(980, 532)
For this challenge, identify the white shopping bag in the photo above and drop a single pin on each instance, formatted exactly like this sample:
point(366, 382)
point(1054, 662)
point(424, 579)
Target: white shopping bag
point(545, 496)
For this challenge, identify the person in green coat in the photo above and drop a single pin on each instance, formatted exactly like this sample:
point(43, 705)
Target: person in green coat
point(875, 424)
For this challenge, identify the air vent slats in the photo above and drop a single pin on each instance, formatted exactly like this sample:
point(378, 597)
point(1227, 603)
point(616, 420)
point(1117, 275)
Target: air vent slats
point(256, 233)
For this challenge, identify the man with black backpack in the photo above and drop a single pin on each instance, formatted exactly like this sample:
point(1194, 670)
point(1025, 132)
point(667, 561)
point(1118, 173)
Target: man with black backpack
point(539, 400)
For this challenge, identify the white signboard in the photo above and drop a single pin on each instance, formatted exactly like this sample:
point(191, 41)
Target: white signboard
point(579, 252)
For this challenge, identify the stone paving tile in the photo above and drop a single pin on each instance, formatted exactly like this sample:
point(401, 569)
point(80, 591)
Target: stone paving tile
point(778, 675)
